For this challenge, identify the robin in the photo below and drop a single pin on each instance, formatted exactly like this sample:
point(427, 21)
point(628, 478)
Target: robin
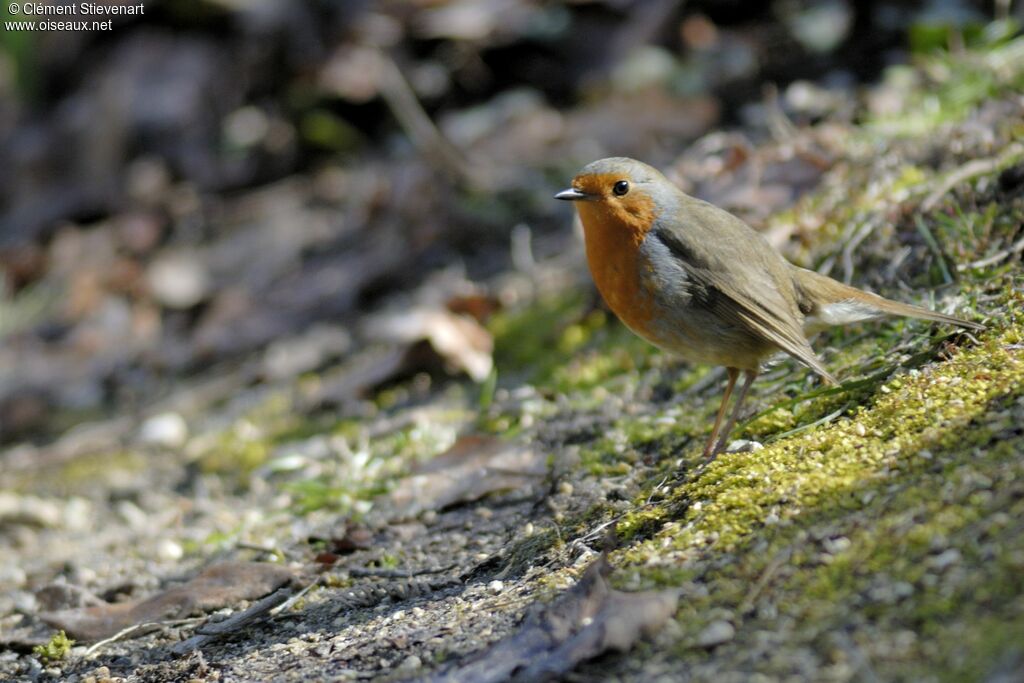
point(696, 281)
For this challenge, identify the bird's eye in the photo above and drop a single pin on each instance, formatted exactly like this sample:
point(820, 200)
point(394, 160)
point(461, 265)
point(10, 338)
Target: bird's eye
point(620, 188)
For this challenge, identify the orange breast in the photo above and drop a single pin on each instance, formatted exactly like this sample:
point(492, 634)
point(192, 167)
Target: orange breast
point(615, 263)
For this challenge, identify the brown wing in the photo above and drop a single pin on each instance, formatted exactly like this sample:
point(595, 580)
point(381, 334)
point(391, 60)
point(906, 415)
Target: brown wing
point(747, 281)
point(816, 290)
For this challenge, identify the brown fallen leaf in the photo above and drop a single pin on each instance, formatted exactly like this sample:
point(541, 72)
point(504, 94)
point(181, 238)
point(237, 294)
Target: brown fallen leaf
point(459, 339)
point(472, 468)
point(589, 619)
point(354, 537)
point(478, 306)
point(217, 586)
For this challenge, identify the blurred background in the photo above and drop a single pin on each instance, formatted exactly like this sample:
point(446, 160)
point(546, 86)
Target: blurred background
point(253, 191)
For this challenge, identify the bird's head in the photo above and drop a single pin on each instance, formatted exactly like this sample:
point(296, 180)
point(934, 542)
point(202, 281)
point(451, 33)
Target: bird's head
point(620, 193)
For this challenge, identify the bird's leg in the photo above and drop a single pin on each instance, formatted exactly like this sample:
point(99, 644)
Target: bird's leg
point(709, 448)
point(748, 379)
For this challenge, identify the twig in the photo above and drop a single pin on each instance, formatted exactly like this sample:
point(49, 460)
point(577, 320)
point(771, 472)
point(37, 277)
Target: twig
point(406, 107)
point(843, 388)
point(852, 245)
point(236, 622)
point(654, 490)
point(642, 25)
point(779, 124)
point(243, 545)
point(933, 245)
point(970, 170)
point(594, 533)
point(397, 573)
point(298, 596)
point(802, 428)
point(769, 572)
point(139, 629)
point(995, 258)
point(710, 379)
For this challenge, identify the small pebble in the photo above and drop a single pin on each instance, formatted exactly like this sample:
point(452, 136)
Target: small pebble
point(167, 549)
point(716, 633)
point(836, 545)
point(179, 280)
point(496, 586)
point(98, 675)
point(411, 663)
point(945, 559)
point(744, 446)
point(166, 429)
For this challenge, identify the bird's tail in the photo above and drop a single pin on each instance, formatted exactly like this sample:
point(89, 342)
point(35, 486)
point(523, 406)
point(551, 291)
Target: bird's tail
point(827, 302)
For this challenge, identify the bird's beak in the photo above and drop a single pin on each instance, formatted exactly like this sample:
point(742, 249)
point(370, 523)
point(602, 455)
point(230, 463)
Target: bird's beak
point(572, 195)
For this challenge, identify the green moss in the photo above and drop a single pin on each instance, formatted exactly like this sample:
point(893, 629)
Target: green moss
point(886, 510)
point(910, 414)
point(56, 649)
point(527, 340)
point(349, 484)
point(310, 495)
point(237, 451)
point(558, 344)
point(945, 86)
point(78, 474)
point(529, 550)
point(324, 129)
point(911, 473)
point(249, 442)
point(302, 427)
point(642, 522)
point(593, 368)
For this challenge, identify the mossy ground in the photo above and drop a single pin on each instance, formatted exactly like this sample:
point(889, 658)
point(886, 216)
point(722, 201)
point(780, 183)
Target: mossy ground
point(878, 535)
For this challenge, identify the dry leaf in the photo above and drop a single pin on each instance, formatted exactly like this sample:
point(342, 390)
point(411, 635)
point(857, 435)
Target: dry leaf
point(480, 307)
point(589, 619)
point(458, 339)
point(474, 467)
point(217, 586)
point(353, 538)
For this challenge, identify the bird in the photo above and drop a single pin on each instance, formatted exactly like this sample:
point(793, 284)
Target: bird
point(696, 281)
